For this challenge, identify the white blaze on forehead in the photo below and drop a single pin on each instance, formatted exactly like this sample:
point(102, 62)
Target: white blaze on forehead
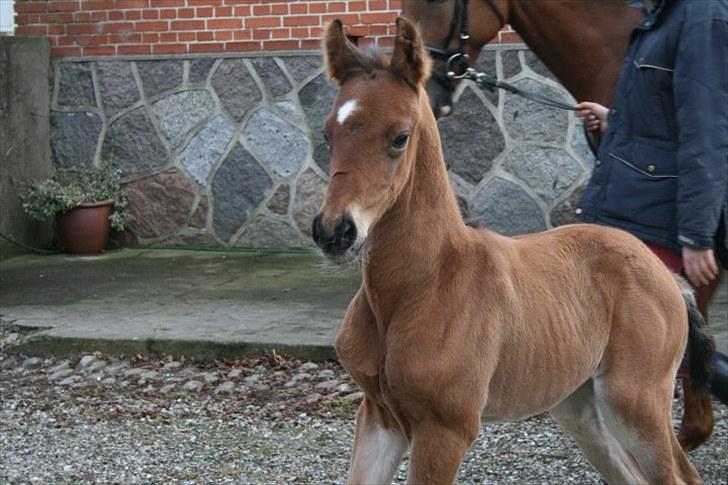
point(362, 219)
point(345, 110)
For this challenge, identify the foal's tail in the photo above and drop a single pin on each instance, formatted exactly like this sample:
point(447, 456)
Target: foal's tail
point(700, 345)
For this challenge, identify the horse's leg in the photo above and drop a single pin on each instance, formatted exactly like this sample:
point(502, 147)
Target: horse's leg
point(581, 417)
point(438, 451)
point(639, 417)
point(698, 421)
point(378, 446)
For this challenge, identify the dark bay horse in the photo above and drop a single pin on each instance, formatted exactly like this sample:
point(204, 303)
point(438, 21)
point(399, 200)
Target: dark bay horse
point(454, 325)
point(583, 42)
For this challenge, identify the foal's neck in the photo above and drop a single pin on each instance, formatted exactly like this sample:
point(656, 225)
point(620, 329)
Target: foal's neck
point(408, 242)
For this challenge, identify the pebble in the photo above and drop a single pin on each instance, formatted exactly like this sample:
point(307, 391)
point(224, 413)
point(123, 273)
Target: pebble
point(209, 377)
point(301, 377)
point(354, 397)
point(69, 380)
point(192, 386)
point(327, 386)
point(167, 388)
point(61, 366)
point(250, 380)
point(109, 381)
point(32, 362)
point(95, 366)
point(225, 388)
point(326, 374)
point(133, 372)
point(174, 365)
point(60, 374)
point(343, 388)
point(235, 373)
point(149, 375)
point(308, 367)
point(86, 361)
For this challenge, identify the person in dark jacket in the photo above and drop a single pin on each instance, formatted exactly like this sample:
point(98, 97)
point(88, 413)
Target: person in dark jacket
point(662, 168)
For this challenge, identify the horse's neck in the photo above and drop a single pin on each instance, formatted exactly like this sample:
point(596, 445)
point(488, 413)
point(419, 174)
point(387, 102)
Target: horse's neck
point(405, 245)
point(582, 43)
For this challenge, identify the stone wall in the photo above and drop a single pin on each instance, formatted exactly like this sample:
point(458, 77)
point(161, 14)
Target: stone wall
point(228, 151)
point(24, 136)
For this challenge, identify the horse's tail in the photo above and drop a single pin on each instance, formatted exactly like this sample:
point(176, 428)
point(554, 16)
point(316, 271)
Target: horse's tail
point(700, 345)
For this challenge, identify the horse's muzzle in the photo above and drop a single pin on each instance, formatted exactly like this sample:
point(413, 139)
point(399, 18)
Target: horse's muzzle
point(334, 242)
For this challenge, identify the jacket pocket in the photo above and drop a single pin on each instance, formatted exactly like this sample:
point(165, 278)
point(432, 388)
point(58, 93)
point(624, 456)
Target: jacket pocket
point(642, 186)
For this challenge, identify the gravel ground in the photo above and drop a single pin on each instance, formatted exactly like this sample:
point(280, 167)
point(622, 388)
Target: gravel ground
point(262, 421)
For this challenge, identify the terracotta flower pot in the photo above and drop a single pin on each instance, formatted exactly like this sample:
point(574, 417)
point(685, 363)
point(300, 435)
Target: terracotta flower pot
point(85, 229)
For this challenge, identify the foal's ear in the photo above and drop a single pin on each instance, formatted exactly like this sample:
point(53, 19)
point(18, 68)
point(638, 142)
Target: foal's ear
point(409, 60)
point(341, 55)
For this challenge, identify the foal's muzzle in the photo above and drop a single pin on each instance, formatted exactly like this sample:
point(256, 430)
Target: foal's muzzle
point(334, 242)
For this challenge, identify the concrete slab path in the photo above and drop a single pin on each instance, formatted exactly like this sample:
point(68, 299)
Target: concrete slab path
point(202, 304)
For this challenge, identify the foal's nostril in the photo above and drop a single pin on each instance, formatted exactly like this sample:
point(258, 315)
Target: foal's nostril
point(318, 231)
point(346, 233)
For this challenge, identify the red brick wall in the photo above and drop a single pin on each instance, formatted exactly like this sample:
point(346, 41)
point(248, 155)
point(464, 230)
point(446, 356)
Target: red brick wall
point(147, 27)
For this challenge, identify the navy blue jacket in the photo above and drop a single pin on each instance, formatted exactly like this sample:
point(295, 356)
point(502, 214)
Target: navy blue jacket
point(662, 168)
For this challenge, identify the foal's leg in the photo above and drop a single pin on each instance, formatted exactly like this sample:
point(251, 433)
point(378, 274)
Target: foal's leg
point(698, 421)
point(438, 451)
point(378, 446)
point(580, 415)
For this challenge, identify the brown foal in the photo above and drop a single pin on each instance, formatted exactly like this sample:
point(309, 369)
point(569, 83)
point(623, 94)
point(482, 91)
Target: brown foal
point(453, 325)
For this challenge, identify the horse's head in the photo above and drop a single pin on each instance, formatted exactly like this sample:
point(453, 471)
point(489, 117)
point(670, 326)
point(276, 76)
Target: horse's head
point(371, 133)
point(443, 24)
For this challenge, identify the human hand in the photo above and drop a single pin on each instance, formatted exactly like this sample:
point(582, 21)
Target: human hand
point(700, 265)
point(594, 115)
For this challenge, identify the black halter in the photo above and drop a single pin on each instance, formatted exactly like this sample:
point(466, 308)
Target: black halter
point(458, 60)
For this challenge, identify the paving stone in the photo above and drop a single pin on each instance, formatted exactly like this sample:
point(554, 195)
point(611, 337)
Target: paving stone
point(117, 86)
point(238, 187)
point(199, 217)
point(506, 208)
point(74, 138)
point(565, 211)
point(159, 76)
point(235, 87)
point(199, 69)
point(272, 76)
point(132, 143)
point(533, 62)
point(159, 204)
point(310, 192)
point(548, 171)
point(510, 63)
point(76, 84)
point(301, 67)
point(279, 144)
point(180, 112)
point(262, 231)
point(471, 138)
point(291, 110)
point(206, 148)
point(529, 121)
point(486, 63)
point(278, 203)
point(581, 148)
point(316, 98)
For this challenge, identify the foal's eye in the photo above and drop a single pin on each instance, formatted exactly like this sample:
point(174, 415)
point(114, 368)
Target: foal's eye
point(399, 142)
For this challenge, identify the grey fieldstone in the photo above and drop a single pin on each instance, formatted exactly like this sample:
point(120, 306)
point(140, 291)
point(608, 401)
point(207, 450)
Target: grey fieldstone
point(506, 208)
point(76, 84)
point(278, 202)
point(133, 144)
point(310, 191)
point(192, 386)
point(510, 63)
point(548, 171)
point(117, 86)
point(564, 212)
point(316, 98)
point(86, 361)
point(238, 187)
point(179, 113)
point(533, 62)
point(159, 76)
point(265, 232)
point(581, 148)
point(199, 69)
point(74, 138)
point(272, 76)
point(235, 87)
point(206, 148)
point(530, 121)
point(471, 138)
point(225, 388)
point(199, 218)
point(276, 142)
point(159, 204)
point(32, 362)
point(302, 67)
point(486, 63)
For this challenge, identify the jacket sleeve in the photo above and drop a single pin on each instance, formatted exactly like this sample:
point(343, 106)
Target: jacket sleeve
point(700, 84)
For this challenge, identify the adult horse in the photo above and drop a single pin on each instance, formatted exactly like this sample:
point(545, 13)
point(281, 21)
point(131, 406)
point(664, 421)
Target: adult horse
point(583, 43)
point(454, 325)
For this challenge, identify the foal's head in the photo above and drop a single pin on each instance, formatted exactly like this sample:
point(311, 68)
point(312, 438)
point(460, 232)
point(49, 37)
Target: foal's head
point(371, 133)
